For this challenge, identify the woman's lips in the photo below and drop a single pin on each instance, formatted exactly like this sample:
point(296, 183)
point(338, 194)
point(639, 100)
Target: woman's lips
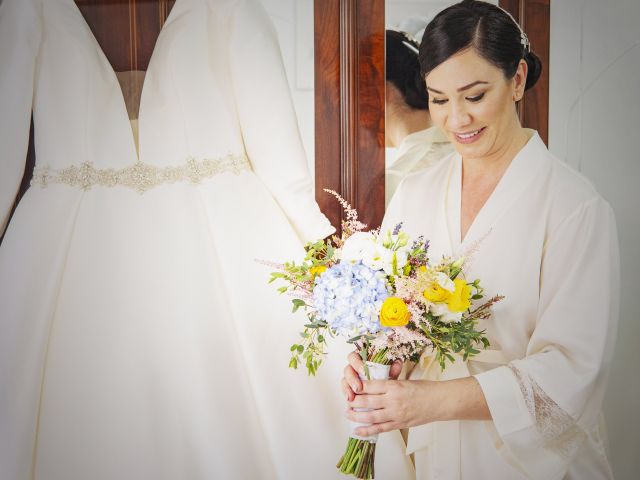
point(469, 137)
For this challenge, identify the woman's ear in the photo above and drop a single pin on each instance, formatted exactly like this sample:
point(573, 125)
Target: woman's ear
point(520, 80)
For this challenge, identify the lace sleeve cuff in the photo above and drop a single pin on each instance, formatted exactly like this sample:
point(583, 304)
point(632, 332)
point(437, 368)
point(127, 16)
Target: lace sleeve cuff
point(532, 432)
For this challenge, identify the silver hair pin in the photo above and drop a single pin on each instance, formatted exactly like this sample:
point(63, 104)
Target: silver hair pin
point(524, 40)
point(411, 47)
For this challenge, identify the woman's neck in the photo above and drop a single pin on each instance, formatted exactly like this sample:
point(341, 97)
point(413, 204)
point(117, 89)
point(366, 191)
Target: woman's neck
point(497, 161)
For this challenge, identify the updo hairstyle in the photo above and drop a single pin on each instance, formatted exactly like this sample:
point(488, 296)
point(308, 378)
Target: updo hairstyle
point(486, 28)
point(403, 69)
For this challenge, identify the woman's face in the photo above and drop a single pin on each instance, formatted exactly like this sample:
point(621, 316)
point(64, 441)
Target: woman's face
point(474, 104)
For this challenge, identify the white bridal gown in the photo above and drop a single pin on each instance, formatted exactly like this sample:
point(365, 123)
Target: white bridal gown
point(138, 337)
point(546, 241)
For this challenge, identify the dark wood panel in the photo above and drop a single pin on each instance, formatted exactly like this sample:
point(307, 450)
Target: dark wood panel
point(327, 106)
point(349, 90)
point(117, 23)
point(534, 17)
point(370, 159)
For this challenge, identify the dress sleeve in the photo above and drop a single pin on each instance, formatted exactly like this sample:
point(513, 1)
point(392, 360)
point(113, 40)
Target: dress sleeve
point(268, 121)
point(20, 35)
point(545, 405)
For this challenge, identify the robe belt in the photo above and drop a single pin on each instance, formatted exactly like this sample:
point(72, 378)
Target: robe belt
point(442, 439)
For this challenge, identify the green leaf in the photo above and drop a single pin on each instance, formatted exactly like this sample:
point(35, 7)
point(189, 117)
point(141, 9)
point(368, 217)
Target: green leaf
point(297, 303)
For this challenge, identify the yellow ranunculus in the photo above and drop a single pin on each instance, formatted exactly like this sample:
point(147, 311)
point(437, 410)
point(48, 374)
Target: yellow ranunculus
point(317, 270)
point(460, 299)
point(435, 293)
point(394, 313)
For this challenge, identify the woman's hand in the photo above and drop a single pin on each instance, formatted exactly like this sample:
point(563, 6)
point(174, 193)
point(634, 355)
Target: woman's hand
point(397, 404)
point(351, 383)
point(394, 404)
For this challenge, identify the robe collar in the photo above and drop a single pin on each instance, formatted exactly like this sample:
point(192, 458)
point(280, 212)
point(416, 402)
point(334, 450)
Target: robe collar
point(514, 183)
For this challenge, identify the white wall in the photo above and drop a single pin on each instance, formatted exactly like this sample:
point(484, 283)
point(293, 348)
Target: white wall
point(594, 117)
point(293, 20)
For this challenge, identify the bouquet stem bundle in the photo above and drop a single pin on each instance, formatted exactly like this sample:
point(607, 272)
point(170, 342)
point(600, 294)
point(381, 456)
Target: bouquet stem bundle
point(359, 457)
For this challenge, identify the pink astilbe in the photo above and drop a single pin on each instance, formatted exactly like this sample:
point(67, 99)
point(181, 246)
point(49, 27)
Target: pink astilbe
point(403, 343)
point(483, 312)
point(472, 249)
point(411, 289)
point(302, 294)
point(351, 224)
point(417, 312)
point(275, 265)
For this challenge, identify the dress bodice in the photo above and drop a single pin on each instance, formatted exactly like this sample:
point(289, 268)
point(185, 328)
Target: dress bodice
point(214, 98)
point(185, 102)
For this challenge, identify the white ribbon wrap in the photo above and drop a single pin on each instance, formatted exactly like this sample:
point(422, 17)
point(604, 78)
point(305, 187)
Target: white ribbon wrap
point(377, 371)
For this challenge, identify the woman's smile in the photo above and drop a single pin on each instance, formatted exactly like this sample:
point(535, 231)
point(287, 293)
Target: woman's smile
point(469, 136)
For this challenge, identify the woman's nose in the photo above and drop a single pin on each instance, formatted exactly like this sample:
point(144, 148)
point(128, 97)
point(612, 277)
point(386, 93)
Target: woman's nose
point(459, 117)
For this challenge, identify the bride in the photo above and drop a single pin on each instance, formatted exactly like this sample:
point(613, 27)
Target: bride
point(138, 337)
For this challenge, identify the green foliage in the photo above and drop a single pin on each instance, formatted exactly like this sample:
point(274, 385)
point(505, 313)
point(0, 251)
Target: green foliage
point(456, 337)
point(311, 350)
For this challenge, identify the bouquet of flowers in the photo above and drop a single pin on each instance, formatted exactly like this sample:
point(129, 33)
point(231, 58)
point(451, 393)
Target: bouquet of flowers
point(381, 292)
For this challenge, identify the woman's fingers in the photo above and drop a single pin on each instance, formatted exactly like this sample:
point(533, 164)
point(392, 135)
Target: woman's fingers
point(373, 416)
point(367, 401)
point(353, 379)
point(395, 370)
point(347, 390)
point(376, 387)
point(356, 362)
point(376, 429)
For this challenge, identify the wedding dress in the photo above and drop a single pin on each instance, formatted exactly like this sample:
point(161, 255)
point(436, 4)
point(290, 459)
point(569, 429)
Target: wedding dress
point(139, 338)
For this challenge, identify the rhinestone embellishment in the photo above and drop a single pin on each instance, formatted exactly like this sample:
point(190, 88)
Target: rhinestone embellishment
point(140, 176)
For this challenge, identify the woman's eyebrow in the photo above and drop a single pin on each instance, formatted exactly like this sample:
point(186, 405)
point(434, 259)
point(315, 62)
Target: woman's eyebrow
point(461, 89)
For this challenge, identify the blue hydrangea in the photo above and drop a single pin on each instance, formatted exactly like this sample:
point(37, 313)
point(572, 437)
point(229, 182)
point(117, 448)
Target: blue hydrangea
point(349, 296)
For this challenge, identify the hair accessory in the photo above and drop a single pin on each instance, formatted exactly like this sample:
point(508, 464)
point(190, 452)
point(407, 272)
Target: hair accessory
point(524, 40)
point(410, 47)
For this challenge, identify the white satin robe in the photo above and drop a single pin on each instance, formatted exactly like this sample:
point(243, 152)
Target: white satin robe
point(139, 339)
point(546, 241)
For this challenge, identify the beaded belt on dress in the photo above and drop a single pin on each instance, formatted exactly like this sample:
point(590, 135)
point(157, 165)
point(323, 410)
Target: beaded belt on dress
point(140, 176)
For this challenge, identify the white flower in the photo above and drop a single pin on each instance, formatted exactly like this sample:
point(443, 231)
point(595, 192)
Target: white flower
point(444, 281)
point(375, 256)
point(401, 257)
point(441, 310)
point(354, 247)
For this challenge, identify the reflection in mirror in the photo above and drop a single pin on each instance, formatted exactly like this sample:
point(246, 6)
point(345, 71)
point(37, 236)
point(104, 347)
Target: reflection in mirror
point(412, 142)
point(408, 127)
